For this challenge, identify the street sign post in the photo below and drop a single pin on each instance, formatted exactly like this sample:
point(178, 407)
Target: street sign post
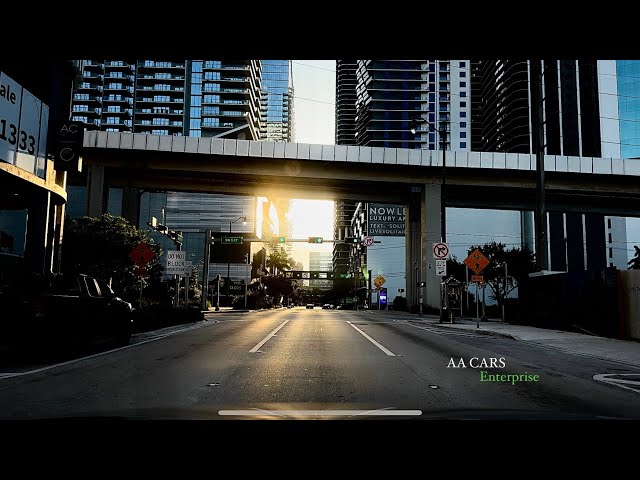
point(441, 268)
point(440, 250)
point(231, 240)
point(368, 241)
point(477, 278)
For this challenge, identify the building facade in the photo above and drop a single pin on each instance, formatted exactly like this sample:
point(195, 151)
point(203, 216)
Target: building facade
point(276, 101)
point(209, 98)
point(35, 100)
point(320, 262)
point(578, 100)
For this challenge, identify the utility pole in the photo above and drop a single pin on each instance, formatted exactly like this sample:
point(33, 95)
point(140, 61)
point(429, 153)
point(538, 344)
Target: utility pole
point(540, 214)
point(246, 286)
point(218, 293)
point(205, 269)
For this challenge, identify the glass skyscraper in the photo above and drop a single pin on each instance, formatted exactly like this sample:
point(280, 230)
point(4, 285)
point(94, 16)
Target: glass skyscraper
point(276, 105)
point(628, 75)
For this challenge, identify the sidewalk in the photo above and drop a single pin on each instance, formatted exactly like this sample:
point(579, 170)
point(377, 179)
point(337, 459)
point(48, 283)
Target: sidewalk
point(621, 351)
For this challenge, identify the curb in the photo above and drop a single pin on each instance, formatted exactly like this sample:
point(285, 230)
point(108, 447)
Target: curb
point(476, 330)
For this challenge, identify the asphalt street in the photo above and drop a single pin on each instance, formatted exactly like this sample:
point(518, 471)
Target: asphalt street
point(299, 363)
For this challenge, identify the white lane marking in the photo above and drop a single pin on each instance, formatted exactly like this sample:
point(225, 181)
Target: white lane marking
point(99, 354)
point(265, 339)
point(320, 413)
point(619, 382)
point(385, 350)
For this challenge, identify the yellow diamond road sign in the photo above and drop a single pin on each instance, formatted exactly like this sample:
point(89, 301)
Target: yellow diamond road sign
point(379, 281)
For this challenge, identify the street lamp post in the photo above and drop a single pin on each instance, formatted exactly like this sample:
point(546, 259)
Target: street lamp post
point(231, 222)
point(443, 210)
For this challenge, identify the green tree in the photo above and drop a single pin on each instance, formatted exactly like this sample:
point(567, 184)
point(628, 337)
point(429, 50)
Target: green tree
point(520, 262)
point(634, 263)
point(278, 261)
point(100, 247)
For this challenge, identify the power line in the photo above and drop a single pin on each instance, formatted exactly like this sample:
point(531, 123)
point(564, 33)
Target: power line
point(313, 66)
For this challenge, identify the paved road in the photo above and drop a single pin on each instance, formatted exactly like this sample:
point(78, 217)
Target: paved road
point(318, 363)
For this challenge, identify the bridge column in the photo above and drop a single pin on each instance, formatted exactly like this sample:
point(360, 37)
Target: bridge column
point(131, 205)
point(431, 234)
point(96, 191)
point(413, 237)
point(596, 245)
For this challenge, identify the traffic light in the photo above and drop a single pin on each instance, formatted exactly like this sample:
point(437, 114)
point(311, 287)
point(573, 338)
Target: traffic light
point(315, 239)
point(176, 236)
point(281, 239)
point(353, 240)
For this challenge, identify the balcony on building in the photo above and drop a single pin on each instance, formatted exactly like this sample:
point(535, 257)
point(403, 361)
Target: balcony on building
point(118, 65)
point(150, 65)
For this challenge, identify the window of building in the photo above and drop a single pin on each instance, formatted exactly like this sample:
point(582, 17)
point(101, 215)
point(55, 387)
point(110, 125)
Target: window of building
point(116, 74)
point(113, 108)
point(462, 64)
point(114, 85)
point(463, 94)
point(432, 77)
point(81, 108)
point(79, 118)
point(463, 104)
point(463, 124)
point(610, 240)
point(463, 114)
point(111, 129)
point(463, 134)
point(212, 76)
point(161, 98)
point(610, 252)
point(113, 120)
point(463, 74)
point(160, 132)
point(160, 121)
point(162, 75)
point(432, 97)
point(609, 222)
point(463, 84)
point(463, 144)
point(145, 122)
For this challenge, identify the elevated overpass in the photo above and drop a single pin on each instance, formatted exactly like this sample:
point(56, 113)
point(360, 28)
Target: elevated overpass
point(608, 186)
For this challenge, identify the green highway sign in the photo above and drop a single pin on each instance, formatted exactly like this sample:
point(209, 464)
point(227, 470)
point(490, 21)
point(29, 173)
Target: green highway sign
point(231, 240)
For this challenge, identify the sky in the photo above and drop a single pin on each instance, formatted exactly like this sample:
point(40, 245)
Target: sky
point(314, 83)
point(314, 116)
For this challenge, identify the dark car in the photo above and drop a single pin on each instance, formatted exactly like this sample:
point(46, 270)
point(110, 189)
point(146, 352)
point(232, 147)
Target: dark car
point(309, 305)
point(68, 311)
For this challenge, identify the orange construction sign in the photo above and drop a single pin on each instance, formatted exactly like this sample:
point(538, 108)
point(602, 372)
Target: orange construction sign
point(476, 261)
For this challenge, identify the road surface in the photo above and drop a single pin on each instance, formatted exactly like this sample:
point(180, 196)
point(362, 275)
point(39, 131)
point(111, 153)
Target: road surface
point(299, 363)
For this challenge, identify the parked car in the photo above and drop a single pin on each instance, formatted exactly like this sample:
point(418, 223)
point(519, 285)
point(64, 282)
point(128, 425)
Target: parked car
point(326, 306)
point(68, 311)
point(309, 305)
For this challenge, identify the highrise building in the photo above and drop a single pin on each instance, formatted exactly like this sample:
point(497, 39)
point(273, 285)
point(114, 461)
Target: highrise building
point(209, 98)
point(322, 262)
point(346, 82)
point(580, 109)
point(276, 102)
point(391, 93)
point(628, 77)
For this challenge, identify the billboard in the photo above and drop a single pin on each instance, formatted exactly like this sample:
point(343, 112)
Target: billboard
point(23, 127)
point(385, 220)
